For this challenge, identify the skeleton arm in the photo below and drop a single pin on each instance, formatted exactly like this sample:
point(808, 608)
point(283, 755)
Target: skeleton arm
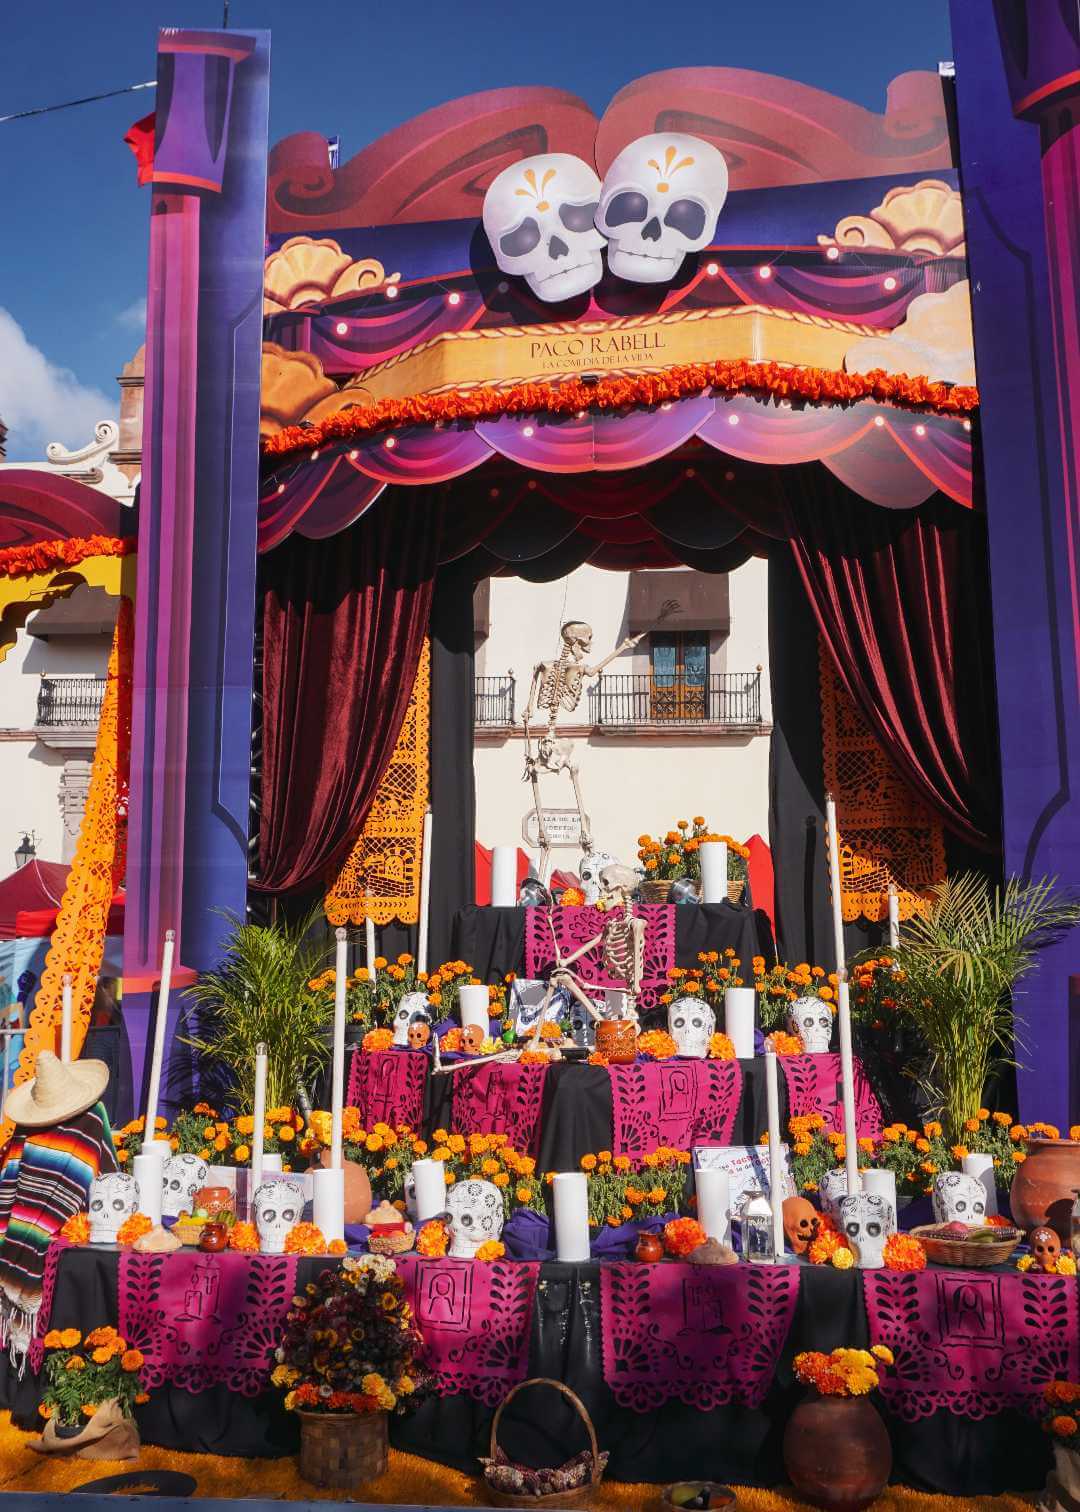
point(667, 608)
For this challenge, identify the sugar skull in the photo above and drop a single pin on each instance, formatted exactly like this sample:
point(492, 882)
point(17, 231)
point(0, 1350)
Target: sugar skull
point(182, 1177)
point(475, 1215)
point(867, 1221)
point(472, 1039)
point(691, 1024)
point(801, 1223)
point(589, 874)
point(279, 1206)
point(1045, 1249)
point(660, 199)
point(812, 1021)
point(413, 1009)
point(831, 1188)
point(419, 1034)
point(538, 215)
point(113, 1199)
point(958, 1198)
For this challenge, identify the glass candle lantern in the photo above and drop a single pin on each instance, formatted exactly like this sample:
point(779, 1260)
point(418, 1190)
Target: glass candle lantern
point(757, 1233)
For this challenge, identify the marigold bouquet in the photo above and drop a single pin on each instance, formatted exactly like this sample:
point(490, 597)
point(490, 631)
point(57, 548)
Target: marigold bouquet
point(490, 1157)
point(350, 1343)
point(779, 986)
point(1061, 1413)
point(371, 997)
point(844, 1372)
point(676, 853)
point(219, 1141)
point(709, 981)
point(385, 1153)
point(620, 1191)
point(81, 1374)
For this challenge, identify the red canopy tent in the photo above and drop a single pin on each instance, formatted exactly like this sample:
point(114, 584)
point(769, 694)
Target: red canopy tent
point(30, 899)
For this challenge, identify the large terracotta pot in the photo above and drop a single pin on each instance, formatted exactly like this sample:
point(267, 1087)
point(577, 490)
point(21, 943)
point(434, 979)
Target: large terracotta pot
point(357, 1189)
point(1043, 1188)
point(617, 1040)
point(837, 1452)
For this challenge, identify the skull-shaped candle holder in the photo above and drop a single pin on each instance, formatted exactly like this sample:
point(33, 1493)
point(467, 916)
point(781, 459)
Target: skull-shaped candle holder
point(801, 1224)
point(538, 215)
point(113, 1200)
point(413, 1009)
point(867, 1220)
point(1045, 1249)
point(589, 874)
point(812, 1021)
point(959, 1198)
point(831, 1188)
point(661, 198)
point(691, 1024)
point(279, 1206)
point(475, 1215)
point(182, 1176)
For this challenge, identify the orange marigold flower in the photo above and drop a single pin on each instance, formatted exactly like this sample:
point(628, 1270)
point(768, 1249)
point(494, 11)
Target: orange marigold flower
point(683, 1235)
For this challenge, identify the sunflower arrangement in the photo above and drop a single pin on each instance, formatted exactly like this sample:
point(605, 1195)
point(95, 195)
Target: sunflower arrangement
point(676, 854)
point(81, 1374)
point(621, 1190)
point(844, 1372)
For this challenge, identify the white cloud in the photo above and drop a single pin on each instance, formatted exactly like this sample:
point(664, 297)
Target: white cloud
point(41, 402)
point(134, 317)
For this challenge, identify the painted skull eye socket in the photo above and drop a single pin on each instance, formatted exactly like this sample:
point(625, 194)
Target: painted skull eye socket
point(961, 1205)
point(851, 1230)
point(577, 217)
point(627, 207)
point(119, 1204)
point(466, 1220)
point(679, 1023)
point(289, 1214)
point(978, 1207)
point(686, 216)
point(521, 240)
point(824, 1023)
point(97, 1205)
point(873, 1229)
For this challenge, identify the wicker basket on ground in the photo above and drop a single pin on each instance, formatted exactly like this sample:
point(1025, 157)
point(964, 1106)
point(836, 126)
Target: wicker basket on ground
point(510, 1485)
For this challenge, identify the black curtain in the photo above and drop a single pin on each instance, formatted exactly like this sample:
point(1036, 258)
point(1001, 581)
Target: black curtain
point(453, 790)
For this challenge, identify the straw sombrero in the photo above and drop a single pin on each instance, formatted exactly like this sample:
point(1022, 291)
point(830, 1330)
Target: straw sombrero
point(60, 1090)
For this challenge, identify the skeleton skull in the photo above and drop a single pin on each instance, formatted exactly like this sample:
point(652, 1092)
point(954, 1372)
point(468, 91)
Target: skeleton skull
point(660, 200)
point(801, 1223)
point(538, 215)
point(589, 874)
point(831, 1188)
point(475, 1213)
point(867, 1220)
point(691, 1024)
point(412, 1009)
point(812, 1021)
point(113, 1199)
point(279, 1206)
point(576, 636)
point(1045, 1249)
point(958, 1198)
point(183, 1175)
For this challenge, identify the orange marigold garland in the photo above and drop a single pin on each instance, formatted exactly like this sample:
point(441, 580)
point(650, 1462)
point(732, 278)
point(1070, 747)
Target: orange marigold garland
point(683, 1235)
point(782, 1043)
point(377, 1039)
point(305, 1239)
point(491, 1249)
point(721, 1047)
point(658, 1043)
point(572, 897)
point(44, 556)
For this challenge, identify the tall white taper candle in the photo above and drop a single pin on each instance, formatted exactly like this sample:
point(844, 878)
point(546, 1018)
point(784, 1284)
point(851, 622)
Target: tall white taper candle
point(258, 1133)
point(776, 1155)
point(65, 1018)
point(154, 1091)
point(847, 1073)
point(894, 919)
point(337, 1074)
point(834, 883)
point(571, 1190)
point(425, 896)
point(369, 947)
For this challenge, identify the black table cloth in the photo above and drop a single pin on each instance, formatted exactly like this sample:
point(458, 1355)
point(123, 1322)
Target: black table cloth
point(942, 1453)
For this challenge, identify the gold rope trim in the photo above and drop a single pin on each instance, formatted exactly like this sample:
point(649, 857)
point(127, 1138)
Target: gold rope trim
point(887, 837)
point(381, 878)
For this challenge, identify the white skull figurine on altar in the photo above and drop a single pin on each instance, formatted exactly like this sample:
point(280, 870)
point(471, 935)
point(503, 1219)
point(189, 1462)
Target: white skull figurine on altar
point(959, 1198)
point(182, 1177)
point(812, 1021)
point(475, 1213)
point(589, 874)
point(691, 1024)
point(831, 1188)
point(113, 1200)
point(660, 199)
point(279, 1206)
point(867, 1221)
point(538, 215)
point(412, 1009)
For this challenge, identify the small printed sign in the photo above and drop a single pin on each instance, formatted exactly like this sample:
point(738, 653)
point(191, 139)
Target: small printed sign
point(747, 1167)
point(563, 828)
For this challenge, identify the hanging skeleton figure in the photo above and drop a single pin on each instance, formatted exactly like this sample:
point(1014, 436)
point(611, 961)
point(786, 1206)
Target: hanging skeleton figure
point(622, 942)
point(556, 688)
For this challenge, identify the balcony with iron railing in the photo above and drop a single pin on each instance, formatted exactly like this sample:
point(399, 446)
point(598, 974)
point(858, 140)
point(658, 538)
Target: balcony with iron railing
point(729, 700)
point(494, 702)
point(69, 703)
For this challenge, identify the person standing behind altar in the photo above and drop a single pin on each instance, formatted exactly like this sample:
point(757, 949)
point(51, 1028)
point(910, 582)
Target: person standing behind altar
point(62, 1141)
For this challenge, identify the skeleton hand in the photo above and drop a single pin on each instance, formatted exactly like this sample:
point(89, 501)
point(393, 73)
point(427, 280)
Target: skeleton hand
point(667, 609)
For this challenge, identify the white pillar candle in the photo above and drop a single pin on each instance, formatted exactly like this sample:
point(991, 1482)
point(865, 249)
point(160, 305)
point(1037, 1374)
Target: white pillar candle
point(739, 1006)
point(147, 1171)
point(158, 1053)
point(504, 876)
point(369, 947)
point(571, 1190)
point(473, 1005)
point(878, 1183)
point(776, 1161)
point(159, 1147)
point(65, 1018)
point(982, 1168)
point(894, 919)
point(429, 1183)
point(834, 883)
point(328, 1201)
point(713, 857)
point(425, 895)
point(271, 1161)
point(337, 1071)
point(616, 1003)
point(847, 1073)
point(258, 1133)
point(714, 1204)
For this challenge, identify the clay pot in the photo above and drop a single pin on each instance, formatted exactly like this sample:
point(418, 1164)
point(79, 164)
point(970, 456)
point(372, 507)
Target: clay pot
point(213, 1200)
point(1042, 1189)
point(214, 1238)
point(649, 1249)
point(616, 1039)
point(837, 1452)
point(357, 1189)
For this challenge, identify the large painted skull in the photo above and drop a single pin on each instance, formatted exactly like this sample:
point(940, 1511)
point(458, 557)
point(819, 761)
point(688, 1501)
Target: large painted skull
point(475, 1215)
point(182, 1177)
point(867, 1221)
point(113, 1199)
point(660, 200)
point(958, 1198)
point(589, 873)
point(812, 1021)
point(412, 1009)
point(691, 1024)
point(831, 1188)
point(538, 215)
point(279, 1206)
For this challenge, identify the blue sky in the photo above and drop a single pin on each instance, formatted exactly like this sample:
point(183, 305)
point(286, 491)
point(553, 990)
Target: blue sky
point(73, 265)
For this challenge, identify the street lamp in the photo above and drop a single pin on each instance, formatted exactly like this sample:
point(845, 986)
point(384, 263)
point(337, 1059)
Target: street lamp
point(27, 850)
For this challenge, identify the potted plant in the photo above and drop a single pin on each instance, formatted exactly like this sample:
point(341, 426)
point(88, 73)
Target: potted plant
point(343, 1396)
point(91, 1388)
point(836, 1449)
point(1061, 1420)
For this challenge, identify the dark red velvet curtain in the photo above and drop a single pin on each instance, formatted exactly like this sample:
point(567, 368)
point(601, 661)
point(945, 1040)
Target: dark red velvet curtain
point(901, 598)
point(344, 621)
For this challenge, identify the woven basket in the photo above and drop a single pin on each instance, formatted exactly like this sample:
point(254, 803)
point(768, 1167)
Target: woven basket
point(654, 891)
point(342, 1448)
point(577, 1496)
point(962, 1253)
